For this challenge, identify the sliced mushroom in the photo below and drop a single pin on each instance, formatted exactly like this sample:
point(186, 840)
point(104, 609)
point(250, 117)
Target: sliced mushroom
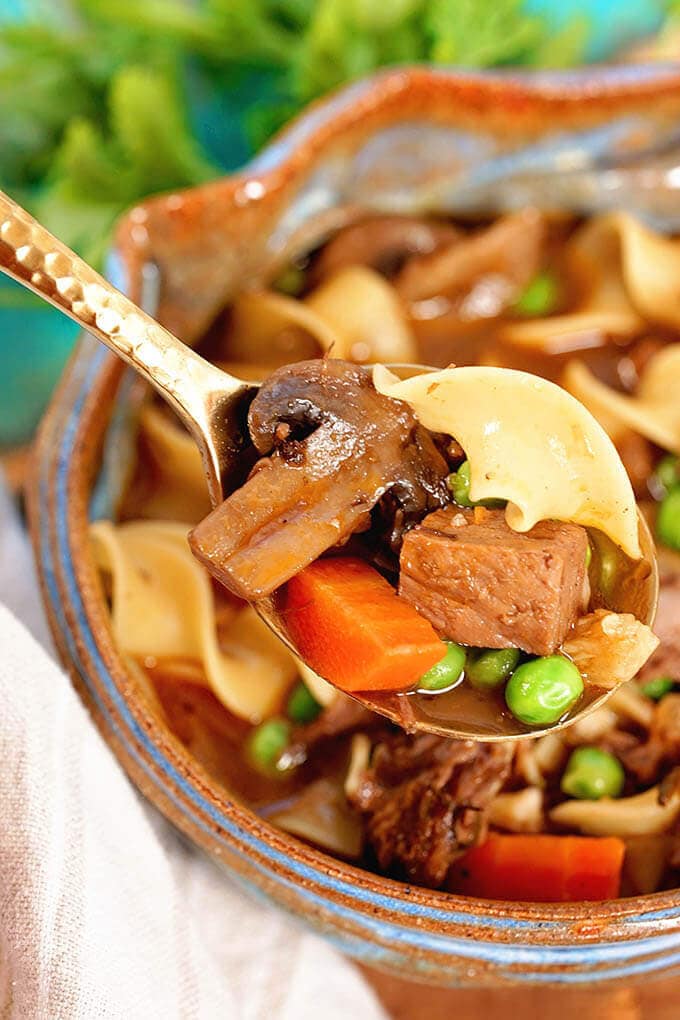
point(321, 815)
point(518, 811)
point(333, 447)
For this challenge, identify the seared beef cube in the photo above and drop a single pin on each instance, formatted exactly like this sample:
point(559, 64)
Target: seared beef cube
point(425, 799)
point(481, 583)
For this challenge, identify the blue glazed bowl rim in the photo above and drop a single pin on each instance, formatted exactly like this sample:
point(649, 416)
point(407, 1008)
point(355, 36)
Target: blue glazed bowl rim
point(549, 83)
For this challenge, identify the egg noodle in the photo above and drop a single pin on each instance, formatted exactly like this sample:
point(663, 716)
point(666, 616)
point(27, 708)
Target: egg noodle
point(549, 450)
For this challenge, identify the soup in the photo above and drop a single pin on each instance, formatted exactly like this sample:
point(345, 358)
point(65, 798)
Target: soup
point(571, 301)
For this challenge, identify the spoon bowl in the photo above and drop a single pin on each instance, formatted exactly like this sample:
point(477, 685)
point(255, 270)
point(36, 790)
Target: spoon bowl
point(213, 406)
point(464, 713)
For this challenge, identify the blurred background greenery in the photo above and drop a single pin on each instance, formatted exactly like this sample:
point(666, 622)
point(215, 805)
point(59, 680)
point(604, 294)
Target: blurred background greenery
point(103, 102)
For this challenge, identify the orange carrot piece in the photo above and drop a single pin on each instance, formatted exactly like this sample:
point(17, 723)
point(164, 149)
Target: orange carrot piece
point(354, 630)
point(541, 868)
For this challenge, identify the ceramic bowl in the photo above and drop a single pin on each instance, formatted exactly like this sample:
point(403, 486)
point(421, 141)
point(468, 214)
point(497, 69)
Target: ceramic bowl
point(410, 140)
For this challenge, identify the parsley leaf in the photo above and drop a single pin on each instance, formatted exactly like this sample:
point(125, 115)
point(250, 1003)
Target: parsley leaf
point(100, 121)
point(97, 174)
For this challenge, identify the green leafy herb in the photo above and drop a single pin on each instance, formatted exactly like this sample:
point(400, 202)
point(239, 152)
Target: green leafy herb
point(474, 34)
point(562, 48)
point(144, 147)
point(346, 40)
point(100, 120)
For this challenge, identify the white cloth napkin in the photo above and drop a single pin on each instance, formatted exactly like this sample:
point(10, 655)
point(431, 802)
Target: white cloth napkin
point(104, 911)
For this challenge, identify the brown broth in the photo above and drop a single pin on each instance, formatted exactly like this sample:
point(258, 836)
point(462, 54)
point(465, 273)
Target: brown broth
point(215, 737)
point(470, 710)
point(218, 740)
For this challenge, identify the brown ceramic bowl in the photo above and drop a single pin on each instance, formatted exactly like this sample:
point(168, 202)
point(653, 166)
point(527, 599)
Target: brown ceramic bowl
point(409, 140)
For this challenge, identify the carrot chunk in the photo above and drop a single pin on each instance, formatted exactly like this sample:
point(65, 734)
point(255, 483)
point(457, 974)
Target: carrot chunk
point(541, 868)
point(353, 629)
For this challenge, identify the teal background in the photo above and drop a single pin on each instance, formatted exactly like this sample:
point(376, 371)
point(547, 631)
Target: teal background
point(35, 341)
point(612, 24)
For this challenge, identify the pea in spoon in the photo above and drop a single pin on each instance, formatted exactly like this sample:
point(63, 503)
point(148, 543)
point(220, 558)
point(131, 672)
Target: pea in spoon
point(213, 405)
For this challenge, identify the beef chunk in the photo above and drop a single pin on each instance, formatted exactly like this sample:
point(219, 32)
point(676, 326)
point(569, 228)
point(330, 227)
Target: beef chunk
point(424, 801)
point(482, 584)
point(342, 717)
point(662, 746)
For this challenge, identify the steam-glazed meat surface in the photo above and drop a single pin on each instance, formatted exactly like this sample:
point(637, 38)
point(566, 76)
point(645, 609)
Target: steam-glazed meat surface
point(334, 447)
point(482, 584)
point(424, 801)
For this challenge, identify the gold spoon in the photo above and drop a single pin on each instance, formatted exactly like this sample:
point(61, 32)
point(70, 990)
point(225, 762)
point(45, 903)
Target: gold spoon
point(212, 405)
point(209, 402)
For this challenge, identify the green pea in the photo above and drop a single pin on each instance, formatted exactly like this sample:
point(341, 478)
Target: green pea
point(591, 774)
point(302, 706)
point(657, 688)
point(491, 667)
point(446, 672)
point(540, 691)
point(668, 519)
point(291, 281)
point(609, 564)
point(539, 297)
point(667, 472)
point(268, 742)
point(459, 486)
point(589, 556)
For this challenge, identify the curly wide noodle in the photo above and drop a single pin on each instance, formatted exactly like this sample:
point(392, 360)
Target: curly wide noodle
point(355, 314)
point(174, 477)
point(654, 411)
point(163, 608)
point(629, 275)
point(322, 691)
point(606, 307)
point(528, 442)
